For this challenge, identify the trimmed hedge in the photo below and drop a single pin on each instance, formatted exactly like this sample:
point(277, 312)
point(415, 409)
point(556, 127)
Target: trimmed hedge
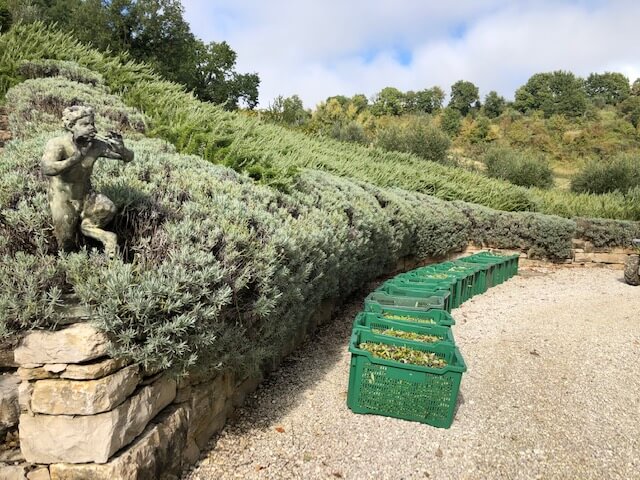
point(541, 236)
point(607, 233)
point(59, 68)
point(217, 271)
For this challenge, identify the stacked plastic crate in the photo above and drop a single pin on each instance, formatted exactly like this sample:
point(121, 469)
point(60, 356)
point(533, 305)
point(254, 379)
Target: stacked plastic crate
point(404, 360)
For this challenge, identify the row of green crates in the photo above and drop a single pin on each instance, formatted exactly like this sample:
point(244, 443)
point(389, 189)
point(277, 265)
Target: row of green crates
point(418, 303)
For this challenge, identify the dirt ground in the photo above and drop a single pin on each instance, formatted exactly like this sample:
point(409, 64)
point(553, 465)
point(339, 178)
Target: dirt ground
point(552, 391)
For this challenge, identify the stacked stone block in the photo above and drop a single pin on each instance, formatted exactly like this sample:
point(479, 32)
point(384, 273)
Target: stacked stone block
point(79, 408)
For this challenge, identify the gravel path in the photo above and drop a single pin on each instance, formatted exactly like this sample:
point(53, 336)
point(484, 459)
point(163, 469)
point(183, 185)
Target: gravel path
point(552, 391)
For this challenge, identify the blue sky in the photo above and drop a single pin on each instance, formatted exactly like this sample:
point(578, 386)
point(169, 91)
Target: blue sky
point(318, 48)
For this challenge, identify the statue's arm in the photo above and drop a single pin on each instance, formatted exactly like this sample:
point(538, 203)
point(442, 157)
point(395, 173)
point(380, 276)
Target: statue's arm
point(53, 162)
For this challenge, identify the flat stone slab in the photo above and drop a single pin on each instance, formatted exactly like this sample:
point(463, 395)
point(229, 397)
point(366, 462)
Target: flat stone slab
point(154, 453)
point(92, 438)
point(9, 407)
point(75, 344)
point(92, 371)
point(13, 472)
point(41, 473)
point(84, 397)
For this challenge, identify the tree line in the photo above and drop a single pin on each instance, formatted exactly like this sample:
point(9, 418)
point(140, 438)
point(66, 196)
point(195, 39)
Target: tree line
point(553, 93)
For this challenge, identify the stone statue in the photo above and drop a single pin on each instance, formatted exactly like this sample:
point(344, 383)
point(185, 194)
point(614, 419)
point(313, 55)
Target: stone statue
point(68, 162)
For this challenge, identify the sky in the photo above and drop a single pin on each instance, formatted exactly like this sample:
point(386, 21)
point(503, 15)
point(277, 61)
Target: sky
point(320, 48)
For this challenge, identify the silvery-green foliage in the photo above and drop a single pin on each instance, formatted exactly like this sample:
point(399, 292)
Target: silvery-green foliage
point(36, 105)
point(59, 68)
point(543, 236)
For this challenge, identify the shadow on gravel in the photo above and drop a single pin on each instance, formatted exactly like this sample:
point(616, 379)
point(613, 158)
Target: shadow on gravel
point(284, 389)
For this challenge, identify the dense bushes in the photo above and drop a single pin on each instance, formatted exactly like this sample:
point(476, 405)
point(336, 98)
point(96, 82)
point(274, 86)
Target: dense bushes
point(622, 173)
point(217, 271)
point(37, 104)
point(273, 153)
point(541, 236)
point(418, 136)
point(59, 68)
point(520, 168)
point(607, 233)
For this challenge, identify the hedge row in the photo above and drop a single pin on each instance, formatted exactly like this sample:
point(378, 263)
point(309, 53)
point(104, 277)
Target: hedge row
point(217, 270)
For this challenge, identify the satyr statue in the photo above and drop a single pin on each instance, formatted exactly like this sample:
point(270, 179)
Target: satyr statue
point(68, 162)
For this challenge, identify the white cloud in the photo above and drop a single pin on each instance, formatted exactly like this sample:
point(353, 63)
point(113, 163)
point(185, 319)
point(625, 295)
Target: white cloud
point(317, 49)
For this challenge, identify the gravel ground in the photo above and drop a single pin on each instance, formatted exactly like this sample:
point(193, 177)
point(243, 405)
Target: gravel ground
point(552, 391)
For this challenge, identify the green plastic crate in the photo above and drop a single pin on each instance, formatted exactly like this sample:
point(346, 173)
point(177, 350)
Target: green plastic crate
point(463, 280)
point(422, 282)
point(399, 390)
point(495, 270)
point(437, 316)
point(502, 264)
point(376, 321)
point(473, 273)
point(410, 303)
point(400, 292)
point(510, 261)
point(480, 272)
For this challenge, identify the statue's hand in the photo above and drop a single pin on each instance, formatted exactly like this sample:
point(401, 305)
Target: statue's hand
point(81, 149)
point(117, 144)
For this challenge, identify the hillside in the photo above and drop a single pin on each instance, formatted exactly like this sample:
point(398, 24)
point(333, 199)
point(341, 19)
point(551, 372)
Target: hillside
point(272, 153)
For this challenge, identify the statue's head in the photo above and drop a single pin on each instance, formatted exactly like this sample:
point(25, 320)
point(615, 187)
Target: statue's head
point(80, 121)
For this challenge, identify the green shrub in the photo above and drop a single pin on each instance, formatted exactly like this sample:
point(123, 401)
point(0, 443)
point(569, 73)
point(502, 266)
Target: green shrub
point(59, 68)
point(38, 104)
point(621, 173)
point(520, 168)
point(350, 132)
point(418, 136)
point(607, 233)
point(450, 121)
point(541, 236)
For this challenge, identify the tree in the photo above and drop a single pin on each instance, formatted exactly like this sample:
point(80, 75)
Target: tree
point(451, 121)
point(6, 19)
point(390, 101)
point(217, 81)
point(360, 102)
point(155, 32)
point(289, 111)
point(610, 87)
point(428, 100)
point(463, 95)
point(557, 92)
point(494, 104)
point(630, 109)
point(635, 88)
point(341, 99)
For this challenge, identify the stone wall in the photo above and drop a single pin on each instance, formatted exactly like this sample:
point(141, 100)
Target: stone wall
point(85, 416)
